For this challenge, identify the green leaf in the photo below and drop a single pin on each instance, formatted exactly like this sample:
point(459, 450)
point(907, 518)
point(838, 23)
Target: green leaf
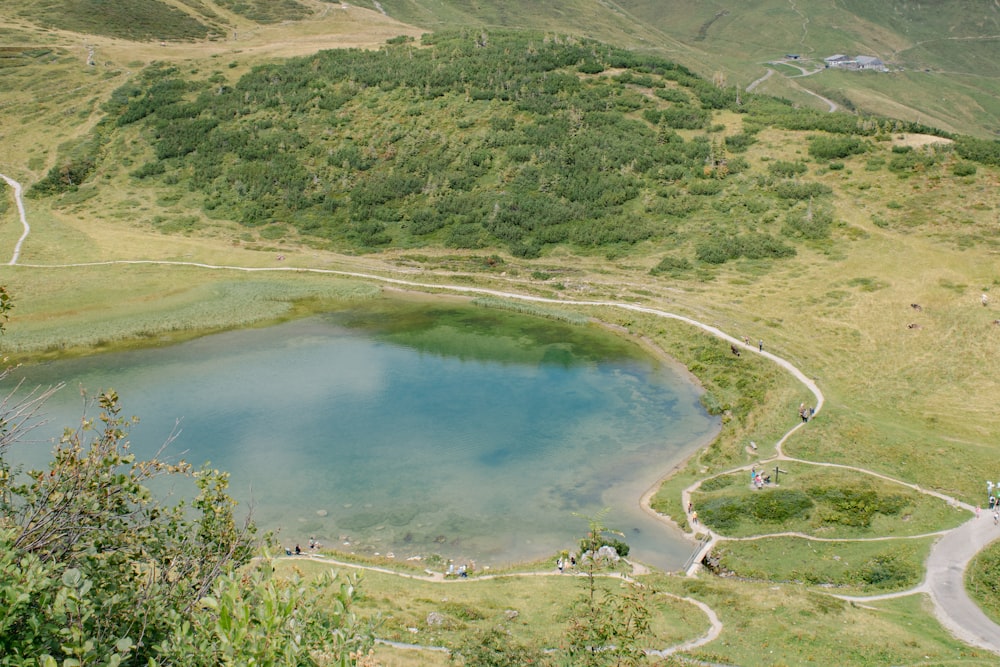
point(72, 577)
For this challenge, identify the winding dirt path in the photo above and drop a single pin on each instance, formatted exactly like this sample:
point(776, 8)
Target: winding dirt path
point(19, 200)
point(713, 632)
point(946, 564)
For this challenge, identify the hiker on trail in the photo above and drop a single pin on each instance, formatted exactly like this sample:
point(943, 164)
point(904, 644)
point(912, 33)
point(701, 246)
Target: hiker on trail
point(760, 345)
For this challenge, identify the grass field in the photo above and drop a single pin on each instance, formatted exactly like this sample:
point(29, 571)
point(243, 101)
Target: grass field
point(766, 623)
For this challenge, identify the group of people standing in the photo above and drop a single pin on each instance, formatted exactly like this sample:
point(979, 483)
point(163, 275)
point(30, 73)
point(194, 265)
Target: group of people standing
point(562, 562)
point(758, 479)
point(992, 490)
point(746, 341)
point(462, 571)
point(313, 544)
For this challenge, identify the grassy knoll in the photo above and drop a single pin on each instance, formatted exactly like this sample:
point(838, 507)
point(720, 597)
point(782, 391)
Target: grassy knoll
point(859, 568)
point(906, 450)
point(821, 501)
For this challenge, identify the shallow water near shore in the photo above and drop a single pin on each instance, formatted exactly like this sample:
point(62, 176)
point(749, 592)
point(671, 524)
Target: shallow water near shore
point(413, 428)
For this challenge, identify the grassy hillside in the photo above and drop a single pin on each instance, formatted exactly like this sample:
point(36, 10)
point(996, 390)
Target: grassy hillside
point(950, 47)
point(562, 168)
point(943, 59)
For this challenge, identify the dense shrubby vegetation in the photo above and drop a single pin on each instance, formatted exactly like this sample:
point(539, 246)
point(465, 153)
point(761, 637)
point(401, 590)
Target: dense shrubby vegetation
point(476, 140)
point(137, 19)
point(986, 151)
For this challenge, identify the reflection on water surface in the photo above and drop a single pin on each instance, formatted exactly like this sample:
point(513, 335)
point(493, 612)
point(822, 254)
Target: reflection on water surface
point(415, 428)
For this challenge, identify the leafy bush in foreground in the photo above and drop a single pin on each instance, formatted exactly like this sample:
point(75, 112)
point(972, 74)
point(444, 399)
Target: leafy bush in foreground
point(94, 570)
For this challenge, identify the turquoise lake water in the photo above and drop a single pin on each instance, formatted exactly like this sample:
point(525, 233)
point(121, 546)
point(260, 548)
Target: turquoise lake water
point(415, 430)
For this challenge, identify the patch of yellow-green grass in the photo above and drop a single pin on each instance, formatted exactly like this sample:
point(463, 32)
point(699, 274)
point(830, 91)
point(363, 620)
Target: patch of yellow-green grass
point(536, 609)
point(393, 656)
point(911, 450)
point(820, 501)
point(849, 567)
point(121, 306)
point(666, 501)
point(982, 580)
point(767, 624)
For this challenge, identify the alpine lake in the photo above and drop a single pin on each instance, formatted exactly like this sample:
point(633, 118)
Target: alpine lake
point(410, 428)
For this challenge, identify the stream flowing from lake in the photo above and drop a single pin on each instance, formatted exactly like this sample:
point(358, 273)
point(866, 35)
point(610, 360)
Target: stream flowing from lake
point(412, 428)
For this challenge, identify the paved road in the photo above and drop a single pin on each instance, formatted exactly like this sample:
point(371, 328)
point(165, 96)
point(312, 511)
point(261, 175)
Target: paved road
point(946, 582)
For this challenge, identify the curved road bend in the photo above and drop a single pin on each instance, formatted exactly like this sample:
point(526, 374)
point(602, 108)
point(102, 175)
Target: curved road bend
point(945, 581)
point(948, 559)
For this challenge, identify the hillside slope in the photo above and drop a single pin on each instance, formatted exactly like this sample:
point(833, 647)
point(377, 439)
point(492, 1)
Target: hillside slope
point(943, 72)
